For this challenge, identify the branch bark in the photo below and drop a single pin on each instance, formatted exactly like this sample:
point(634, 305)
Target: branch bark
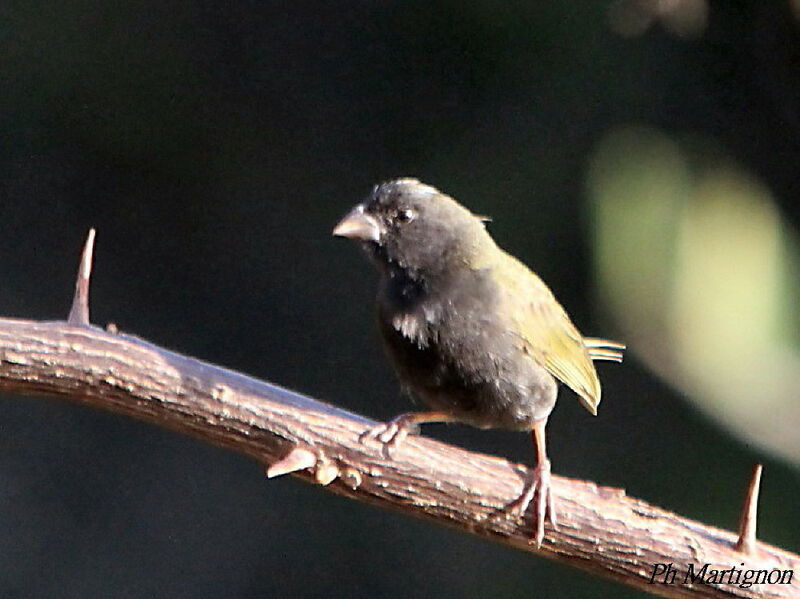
point(600, 529)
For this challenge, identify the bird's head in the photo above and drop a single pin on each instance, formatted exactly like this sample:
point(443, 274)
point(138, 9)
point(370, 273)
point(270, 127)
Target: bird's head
point(408, 226)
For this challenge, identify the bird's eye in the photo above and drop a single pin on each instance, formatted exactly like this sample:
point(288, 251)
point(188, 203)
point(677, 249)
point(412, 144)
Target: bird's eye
point(406, 216)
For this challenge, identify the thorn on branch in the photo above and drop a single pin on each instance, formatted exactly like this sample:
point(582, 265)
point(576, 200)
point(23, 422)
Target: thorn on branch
point(747, 521)
point(79, 313)
point(352, 478)
point(297, 459)
point(326, 472)
point(300, 458)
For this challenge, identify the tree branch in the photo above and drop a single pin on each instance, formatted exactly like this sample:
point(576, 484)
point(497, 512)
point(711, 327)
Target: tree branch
point(600, 530)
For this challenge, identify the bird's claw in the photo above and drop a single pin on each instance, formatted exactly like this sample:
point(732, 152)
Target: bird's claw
point(539, 493)
point(390, 434)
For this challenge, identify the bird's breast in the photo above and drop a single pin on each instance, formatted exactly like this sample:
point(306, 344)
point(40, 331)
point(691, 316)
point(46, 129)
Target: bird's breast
point(459, 355)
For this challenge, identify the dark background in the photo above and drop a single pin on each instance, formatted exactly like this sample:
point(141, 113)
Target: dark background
point(214, 145)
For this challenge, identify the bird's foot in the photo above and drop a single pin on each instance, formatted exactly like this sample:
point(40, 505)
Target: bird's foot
point(539, 494)
point(390, 433)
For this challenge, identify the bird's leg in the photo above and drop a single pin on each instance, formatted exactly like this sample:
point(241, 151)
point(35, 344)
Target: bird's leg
point(538, 491)
point(392, 433)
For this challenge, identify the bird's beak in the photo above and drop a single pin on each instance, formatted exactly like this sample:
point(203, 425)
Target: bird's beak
point(357, 224)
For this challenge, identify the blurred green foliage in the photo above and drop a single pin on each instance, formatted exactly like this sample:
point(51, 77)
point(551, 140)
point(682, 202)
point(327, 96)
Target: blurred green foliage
point(698, 266)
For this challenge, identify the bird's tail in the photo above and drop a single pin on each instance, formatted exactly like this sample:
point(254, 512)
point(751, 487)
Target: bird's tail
point(603, 349)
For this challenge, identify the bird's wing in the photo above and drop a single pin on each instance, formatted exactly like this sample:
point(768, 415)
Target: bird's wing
point(551, 339)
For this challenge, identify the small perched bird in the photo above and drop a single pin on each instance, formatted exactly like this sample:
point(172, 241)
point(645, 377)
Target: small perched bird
point(471, 331)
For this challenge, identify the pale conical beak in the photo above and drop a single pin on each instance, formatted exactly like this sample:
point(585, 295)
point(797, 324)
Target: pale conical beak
point(358, 225)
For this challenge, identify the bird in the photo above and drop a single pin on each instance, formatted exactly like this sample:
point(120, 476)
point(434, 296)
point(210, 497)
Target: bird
point(472, 333)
